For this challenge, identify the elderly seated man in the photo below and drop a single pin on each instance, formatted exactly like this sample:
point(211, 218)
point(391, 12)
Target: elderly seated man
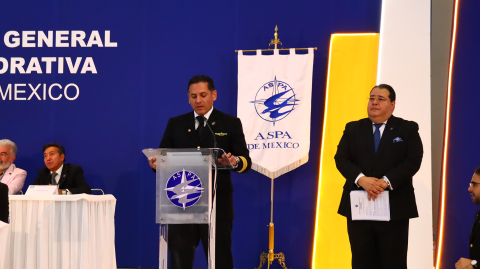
point(10, 175)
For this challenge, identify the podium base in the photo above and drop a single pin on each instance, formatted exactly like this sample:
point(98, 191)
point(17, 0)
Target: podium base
point(280, 257)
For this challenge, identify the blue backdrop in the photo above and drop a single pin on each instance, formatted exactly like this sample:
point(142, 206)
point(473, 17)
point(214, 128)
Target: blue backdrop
point(463, 156)
point(142, 82)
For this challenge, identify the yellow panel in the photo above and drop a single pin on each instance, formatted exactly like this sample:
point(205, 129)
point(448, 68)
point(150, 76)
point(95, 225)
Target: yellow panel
point(352, 72)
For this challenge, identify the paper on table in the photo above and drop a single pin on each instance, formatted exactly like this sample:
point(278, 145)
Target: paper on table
point(42, 190)
point(362, 209)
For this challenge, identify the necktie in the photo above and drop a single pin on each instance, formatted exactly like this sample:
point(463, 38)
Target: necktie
point(201, 125)
point(54, 182)
point(376, 135)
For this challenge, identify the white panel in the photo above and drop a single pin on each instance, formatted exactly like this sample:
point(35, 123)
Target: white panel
point(404, 63)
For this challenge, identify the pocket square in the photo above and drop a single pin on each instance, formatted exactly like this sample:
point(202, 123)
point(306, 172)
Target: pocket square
point(396, 140)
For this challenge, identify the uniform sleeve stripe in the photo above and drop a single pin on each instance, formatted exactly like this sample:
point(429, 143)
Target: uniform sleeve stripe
point(244, 163)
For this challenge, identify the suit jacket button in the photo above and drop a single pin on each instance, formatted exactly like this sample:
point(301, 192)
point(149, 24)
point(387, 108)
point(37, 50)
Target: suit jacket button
point(471, 245)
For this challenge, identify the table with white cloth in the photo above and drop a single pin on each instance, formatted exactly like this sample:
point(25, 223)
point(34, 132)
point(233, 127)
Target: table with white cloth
point(61, 232)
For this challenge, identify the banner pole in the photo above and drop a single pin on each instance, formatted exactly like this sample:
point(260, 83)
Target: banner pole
point(268, 101)
point(271, 256)
point(271, 228)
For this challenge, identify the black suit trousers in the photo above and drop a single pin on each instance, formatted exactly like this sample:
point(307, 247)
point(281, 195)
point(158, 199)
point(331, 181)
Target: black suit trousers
point(183, 239)
point(378, 244)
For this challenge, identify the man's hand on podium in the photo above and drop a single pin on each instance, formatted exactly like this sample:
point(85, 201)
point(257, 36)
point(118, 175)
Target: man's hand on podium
point(152, 161)
point(228, 159)
point(464, 263)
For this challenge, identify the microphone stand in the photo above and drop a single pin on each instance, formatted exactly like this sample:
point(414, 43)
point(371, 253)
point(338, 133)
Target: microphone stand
point(214, 139)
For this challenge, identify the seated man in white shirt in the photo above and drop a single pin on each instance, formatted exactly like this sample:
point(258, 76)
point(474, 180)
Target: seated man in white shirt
point(10, 175)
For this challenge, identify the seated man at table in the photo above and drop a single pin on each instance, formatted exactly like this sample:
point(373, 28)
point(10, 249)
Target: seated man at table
point(10, 175)
point(3, 203)
point(68, 177)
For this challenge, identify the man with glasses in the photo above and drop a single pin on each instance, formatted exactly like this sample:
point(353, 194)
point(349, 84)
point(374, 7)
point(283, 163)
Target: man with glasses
point(376, 154)
point(474, 191)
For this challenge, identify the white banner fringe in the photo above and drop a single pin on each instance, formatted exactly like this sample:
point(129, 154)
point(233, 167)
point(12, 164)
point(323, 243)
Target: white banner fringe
point(281, 171)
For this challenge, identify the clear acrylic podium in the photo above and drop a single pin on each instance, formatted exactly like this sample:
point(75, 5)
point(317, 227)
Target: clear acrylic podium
point(184, 191)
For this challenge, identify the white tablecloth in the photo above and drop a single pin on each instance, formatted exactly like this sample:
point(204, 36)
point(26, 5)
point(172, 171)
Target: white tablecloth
point(61, 232)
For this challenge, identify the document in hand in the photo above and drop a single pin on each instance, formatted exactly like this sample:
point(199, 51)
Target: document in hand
point(362, 209)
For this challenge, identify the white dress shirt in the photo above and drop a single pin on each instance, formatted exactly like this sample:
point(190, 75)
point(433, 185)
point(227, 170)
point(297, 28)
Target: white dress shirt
point(57, 177)
point(59, 174)
point(207, 115)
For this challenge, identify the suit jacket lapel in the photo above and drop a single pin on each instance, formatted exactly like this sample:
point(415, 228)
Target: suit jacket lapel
point(367, 133)
point(8, 173)
point(191, 128)
point(387, 134)
point(64, 174)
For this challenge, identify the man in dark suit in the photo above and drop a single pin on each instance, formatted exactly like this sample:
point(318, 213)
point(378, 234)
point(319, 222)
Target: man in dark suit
point(68, 177)
point(474, 257)
point(376, 154)
point(190, 131)
point(3, 203)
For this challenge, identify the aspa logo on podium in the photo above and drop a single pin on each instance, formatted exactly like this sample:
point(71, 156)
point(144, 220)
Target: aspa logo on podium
point(184, 189)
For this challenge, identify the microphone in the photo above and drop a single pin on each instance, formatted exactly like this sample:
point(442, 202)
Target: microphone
point(208, 125)
point(214, 139)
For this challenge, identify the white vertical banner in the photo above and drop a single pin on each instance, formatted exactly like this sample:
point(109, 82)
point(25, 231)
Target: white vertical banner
point(274, 105)
point(404, 63)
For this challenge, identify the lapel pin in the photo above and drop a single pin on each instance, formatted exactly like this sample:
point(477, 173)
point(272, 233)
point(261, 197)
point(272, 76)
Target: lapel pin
point(189, 130)
point(213, 123)
point(391, 128)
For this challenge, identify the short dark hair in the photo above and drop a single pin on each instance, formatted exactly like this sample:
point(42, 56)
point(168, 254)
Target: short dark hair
point(391, 92)
point(59, 147)
point(202, 78)
point(477, 170)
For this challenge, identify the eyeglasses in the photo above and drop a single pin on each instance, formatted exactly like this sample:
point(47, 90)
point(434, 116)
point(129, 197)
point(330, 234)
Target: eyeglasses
point(380, 99)
point(473, 184)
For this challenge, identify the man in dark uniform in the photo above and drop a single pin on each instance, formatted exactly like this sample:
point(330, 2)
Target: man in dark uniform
point(474, 191)
point(376, 154)
point(190, 131)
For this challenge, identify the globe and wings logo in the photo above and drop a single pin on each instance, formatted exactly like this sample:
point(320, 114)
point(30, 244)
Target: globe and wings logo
point(275, 100)
point(184, 189)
